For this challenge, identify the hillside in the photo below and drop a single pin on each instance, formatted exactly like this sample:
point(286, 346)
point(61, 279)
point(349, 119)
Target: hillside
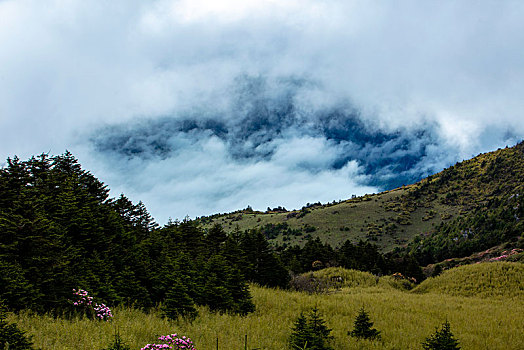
point(391, 219)
point(494, 279)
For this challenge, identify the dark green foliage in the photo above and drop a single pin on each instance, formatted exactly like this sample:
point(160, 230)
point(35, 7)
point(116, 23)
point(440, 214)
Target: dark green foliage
point(300, 334)
point(118, 344)
point(492, 224)
point(310, 332)
point(224, 288)
point(15, 289)
point(300, 260)
point(271, 231)
point(60, 231)
point(441, 340)
point(12, 335)
point(178, 303)
point(362, 328)
point(363, 256)
point(261, 265)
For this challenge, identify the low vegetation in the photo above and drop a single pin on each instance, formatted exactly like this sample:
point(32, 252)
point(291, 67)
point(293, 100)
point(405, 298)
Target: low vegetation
point(404, 320)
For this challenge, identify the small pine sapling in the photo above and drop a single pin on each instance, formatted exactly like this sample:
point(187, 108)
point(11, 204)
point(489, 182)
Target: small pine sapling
point(310, 332)
point(118, 344)
point(441, 340)
point(363, 327)
point(11, 337)
point(300, 333)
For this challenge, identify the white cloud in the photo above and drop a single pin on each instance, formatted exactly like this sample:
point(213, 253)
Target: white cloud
point(67, 67)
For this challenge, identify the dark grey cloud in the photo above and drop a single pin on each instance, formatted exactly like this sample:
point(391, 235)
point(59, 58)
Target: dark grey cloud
point(202, 106)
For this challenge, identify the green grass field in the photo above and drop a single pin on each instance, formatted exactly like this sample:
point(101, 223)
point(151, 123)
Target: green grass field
point(490, 317)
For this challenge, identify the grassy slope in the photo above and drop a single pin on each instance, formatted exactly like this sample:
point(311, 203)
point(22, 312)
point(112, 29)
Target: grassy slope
point(392, 218)
point(361, 218)
point(502, 279)
point(405, 319)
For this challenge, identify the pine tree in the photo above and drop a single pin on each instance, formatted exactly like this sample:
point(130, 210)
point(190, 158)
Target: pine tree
point(178, 303)
point(441, 340)
point(319, 330)
point(310, 332)
point(118, 343)
point(12, 335)
point(362, 327)
point(300, 333)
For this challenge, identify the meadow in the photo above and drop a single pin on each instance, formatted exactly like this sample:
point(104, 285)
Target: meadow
point(492, 318)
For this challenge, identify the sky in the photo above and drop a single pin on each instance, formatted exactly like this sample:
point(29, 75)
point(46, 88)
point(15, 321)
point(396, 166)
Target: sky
point(198, 106)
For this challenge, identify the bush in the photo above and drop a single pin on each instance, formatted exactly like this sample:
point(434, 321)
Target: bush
point(362, 328)
point(310, 332)
point(441, 340)
point(171, 341)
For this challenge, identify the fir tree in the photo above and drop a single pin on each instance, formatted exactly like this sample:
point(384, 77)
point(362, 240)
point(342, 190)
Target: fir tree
point(11, 337)
point(441, 340)
point(118, 343)
point(300, 333)
point(362, 327)
point(310, 332)
point(178, 303)
point(319, 331)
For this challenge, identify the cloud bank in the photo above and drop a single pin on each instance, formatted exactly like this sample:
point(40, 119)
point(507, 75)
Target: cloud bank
point(201, 106)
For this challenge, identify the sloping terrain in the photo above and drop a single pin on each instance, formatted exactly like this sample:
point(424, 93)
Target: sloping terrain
point(391, 219)
point(504, 279)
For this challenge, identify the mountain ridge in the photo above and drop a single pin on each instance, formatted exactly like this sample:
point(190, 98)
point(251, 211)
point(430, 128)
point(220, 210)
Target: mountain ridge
point(392, 219)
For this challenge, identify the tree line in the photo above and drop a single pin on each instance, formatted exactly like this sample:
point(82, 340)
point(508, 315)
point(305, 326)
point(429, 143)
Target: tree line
point(60, 230)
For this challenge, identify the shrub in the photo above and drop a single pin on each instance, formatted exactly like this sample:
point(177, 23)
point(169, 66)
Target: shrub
point(441, 340)
point(362, 328)
point(91, 308)
point(171, 341)
point(310, 332)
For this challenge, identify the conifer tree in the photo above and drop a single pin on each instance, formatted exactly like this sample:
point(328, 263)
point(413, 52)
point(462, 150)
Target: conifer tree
point(178, 303)
point(319, 330)
point(118, 343)
point(310, 332)
point(300, 333)
point(363, 327)
point(11, 337)
point(441, 340)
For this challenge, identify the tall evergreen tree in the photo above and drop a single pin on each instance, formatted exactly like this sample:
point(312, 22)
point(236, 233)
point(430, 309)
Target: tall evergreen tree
point(178, 303)
point(262, 265)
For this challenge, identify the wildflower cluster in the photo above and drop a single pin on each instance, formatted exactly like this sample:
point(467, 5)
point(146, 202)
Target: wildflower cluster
point(82, 298)
point(100, 311)
point(172, 341)
point(506, 254)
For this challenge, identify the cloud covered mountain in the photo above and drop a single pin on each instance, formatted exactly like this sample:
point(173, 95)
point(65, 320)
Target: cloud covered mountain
point(203, 106)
